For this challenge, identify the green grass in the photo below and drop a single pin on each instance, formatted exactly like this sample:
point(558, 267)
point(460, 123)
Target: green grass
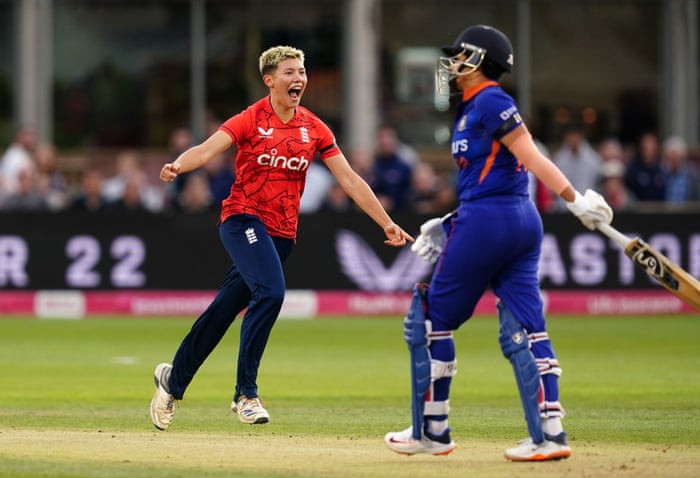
point(625, 380)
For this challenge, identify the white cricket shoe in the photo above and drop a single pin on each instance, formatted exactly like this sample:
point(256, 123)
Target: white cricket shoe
point(163, 404)
point(250, 410)
point(403, 442)
point(552, 448)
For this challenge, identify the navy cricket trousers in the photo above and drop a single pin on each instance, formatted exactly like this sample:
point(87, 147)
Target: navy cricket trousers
point(494, 242)
point(255, 280)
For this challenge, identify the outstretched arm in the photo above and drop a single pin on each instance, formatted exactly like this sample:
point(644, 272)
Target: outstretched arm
point(590, 208)
point(520, 143)
point(360, 192)
point(196, 156)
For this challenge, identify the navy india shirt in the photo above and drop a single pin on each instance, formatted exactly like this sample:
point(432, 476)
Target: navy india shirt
point(486, 166)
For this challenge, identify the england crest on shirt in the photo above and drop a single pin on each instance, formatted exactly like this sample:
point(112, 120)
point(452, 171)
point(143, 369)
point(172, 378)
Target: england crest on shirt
point(304, 132)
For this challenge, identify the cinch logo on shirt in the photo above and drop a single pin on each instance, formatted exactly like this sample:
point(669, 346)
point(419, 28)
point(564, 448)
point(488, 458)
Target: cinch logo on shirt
point(274, 161)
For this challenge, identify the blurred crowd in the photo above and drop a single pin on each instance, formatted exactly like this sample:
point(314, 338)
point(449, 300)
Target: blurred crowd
point(654, 171)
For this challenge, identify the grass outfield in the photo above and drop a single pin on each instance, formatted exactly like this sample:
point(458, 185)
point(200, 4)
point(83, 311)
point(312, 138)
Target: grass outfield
point(75, 394)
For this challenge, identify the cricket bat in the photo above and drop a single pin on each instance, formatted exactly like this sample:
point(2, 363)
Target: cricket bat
point(674, 279)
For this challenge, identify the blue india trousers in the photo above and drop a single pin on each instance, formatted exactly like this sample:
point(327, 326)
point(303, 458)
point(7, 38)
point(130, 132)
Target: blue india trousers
point(492, 242)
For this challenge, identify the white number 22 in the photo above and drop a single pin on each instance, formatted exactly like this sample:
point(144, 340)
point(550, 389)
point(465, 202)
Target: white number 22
point(85, 252)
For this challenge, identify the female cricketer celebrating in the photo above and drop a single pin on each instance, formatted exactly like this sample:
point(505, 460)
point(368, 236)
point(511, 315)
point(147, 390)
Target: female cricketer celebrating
point(277, 139)
point(493, 239)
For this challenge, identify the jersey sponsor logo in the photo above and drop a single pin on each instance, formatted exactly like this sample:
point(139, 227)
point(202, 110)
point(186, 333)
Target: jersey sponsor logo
point(265, 133)
point(509, 112)
point(274, 161)
point(460, 146)
point(304, 132)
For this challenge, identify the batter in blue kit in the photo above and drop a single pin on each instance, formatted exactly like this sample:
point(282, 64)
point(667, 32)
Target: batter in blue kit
point(496, 232)
point(492, 240)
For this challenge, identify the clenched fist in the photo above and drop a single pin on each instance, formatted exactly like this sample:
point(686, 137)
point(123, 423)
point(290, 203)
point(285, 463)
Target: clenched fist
point(169, 172)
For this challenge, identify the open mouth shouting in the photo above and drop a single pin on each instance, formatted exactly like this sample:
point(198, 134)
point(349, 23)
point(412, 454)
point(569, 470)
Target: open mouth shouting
point(294, 93)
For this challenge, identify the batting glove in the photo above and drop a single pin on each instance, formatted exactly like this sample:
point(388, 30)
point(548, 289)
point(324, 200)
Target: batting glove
point(432, 237)
point(591, 209)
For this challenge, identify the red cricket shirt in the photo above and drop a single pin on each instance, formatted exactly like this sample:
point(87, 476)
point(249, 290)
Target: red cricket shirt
point(271, 164)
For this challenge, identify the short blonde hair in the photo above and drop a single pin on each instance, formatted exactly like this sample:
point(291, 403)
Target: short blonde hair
point(270, 58)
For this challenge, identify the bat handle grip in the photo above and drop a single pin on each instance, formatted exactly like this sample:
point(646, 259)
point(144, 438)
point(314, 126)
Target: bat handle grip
point(622, 240)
